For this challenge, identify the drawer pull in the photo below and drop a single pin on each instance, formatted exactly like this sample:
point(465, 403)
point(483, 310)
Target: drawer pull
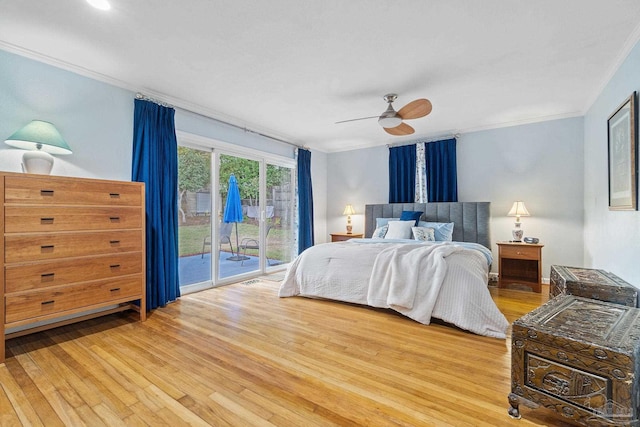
point(114, 195)
point(114, 218)
point(114, 242)
point(114, 289)
point(48, 193)
point(115, 266)
point(47, 302)
point(47, 275)
point(46, 220)
point(45, 247)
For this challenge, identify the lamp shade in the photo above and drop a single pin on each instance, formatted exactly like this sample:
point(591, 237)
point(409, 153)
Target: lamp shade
point(518, 209)
point(348, 210)
point(39, 135)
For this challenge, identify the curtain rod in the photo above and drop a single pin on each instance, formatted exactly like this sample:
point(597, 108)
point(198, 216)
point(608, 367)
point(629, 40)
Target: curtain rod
point(440, 138)
point(164, 104)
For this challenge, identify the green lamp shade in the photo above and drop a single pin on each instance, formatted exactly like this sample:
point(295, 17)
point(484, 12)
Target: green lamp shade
point(39, 135)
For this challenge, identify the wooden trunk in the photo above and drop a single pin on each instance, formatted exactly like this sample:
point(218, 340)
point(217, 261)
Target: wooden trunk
point(579, 358)
point(590, 283)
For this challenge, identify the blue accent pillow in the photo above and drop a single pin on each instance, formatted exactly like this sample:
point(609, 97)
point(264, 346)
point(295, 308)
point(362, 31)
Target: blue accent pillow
point(443, 231)
point(410, 215)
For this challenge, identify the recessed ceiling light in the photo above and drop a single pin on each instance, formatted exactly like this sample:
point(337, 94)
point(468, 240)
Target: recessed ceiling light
point(100, 4)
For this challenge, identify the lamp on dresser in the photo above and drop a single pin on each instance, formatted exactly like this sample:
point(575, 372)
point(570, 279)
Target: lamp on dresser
point(518, 209)
point(348, 211)
point(41, 139)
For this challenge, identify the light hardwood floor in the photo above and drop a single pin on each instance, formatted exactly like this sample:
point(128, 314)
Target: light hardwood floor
point(240, 356)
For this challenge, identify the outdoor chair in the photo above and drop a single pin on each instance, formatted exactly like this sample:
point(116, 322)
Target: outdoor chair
point(249, 243)
point(225, 237)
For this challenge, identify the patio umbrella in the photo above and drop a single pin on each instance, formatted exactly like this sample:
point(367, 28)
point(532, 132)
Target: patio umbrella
point(233, 212)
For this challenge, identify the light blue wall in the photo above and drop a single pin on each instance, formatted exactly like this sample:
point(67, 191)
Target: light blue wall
point(539, 163)
point(612, 238)
point(356, 177)
point(96, 119)
point(212, 129)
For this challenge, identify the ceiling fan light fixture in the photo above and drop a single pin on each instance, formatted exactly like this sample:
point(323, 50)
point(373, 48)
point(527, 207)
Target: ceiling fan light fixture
point(390, 118)
point(389, 121)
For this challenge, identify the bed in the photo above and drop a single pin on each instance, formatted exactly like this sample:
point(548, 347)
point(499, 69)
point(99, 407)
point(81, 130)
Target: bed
point(445, 280)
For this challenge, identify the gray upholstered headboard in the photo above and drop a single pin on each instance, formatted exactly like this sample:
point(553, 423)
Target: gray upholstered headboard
point(471, 220)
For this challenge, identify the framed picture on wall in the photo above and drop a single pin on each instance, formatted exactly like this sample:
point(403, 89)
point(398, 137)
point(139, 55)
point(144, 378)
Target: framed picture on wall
point(622, 148)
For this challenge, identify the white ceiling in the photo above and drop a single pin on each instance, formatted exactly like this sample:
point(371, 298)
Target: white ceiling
point(292, 68)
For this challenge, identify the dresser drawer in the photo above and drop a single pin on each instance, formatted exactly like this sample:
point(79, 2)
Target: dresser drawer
point(31, 305)
point(519, 252)
point(62, 272)
point(36, 247)
point(68, 191)
point(39, 219)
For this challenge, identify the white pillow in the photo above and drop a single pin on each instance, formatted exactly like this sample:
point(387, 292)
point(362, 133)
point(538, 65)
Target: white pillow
point(426, 234)
point(399, 229)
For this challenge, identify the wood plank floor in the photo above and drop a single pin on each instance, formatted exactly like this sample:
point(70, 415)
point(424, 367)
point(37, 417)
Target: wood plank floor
point(240, 356)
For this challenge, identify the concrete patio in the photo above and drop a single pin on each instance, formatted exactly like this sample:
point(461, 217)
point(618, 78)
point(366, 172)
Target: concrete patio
point(197, 268)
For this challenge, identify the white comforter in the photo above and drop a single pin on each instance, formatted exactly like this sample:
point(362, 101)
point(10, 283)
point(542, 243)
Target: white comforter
point(443, 280)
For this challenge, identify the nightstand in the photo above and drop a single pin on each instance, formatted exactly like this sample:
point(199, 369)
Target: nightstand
point(341, 237)
point(520, 263)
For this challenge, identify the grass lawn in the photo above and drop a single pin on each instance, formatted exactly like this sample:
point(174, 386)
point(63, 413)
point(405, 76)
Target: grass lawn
point(190, 238)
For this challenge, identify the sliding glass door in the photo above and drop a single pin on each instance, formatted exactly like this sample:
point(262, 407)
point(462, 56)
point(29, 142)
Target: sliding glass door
point(239, 189)
point(236, 215)
point(280, 209)
point(194, 211)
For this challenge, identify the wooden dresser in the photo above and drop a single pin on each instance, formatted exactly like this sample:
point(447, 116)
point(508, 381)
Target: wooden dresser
point(73, 249)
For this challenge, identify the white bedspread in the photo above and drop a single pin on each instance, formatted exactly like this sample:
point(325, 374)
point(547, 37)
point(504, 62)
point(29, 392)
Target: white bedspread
point(419, 280)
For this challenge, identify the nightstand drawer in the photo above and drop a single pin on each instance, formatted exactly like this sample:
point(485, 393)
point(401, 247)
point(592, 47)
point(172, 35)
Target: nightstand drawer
point(519, 252)
point(341, 237)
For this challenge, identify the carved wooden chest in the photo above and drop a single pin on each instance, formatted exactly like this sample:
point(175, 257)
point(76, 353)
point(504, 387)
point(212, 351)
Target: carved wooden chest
point(591, 283)
point(578, 357)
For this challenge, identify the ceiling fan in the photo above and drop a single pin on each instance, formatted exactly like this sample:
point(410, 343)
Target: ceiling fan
point(392, 120)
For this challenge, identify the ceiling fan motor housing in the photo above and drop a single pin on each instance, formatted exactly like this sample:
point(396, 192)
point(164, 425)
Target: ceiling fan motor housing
point(390, 118)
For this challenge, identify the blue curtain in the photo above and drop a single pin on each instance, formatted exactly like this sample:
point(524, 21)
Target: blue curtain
point(305, 201)
point(402, 174)
point(155, 162)
point(442, 175)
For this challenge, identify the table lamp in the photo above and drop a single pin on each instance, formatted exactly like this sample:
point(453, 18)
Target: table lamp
point(518, 209)
point(40, 138)
point(348, 211)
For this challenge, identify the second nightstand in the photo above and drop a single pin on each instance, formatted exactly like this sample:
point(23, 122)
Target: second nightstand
point(341, 237)
point(520, 263)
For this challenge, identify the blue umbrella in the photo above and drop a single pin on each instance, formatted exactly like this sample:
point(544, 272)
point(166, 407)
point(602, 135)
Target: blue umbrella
point(233, 211)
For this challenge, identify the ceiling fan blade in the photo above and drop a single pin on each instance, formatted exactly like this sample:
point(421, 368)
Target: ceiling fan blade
point(402, 129)
point(416, 109)
point(361, 118)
